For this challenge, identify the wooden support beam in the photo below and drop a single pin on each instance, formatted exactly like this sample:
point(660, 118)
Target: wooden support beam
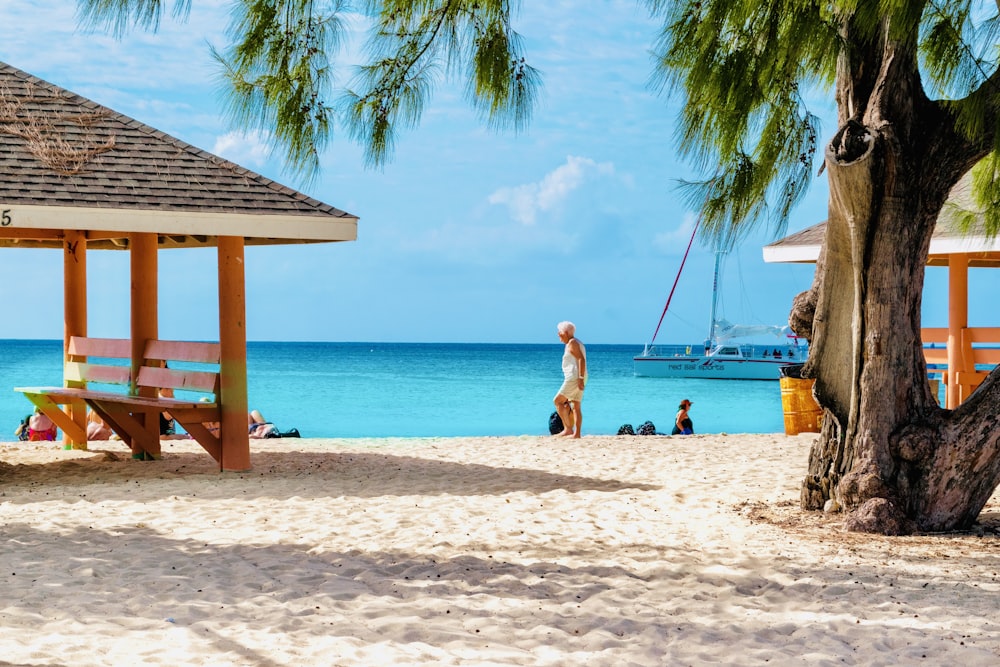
point(232, 400)
point(75, 324)
point(958, 319)
point(144, 273)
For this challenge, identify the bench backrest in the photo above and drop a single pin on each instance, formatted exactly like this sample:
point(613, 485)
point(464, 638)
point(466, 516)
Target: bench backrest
point(97, 360)
point(162, 357)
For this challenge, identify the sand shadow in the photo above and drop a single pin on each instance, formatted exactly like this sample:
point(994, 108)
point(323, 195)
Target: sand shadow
point(107, 474)
point(294, 590)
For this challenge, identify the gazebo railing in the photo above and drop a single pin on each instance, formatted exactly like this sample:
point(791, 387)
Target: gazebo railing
point(978, 353)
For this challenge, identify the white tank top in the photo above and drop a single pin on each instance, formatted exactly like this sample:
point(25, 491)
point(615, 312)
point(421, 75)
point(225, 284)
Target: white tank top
point(570, 367)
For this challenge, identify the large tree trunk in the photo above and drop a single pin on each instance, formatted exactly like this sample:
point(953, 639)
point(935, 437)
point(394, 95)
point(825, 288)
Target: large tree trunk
point(866, 351)
point(887, 454)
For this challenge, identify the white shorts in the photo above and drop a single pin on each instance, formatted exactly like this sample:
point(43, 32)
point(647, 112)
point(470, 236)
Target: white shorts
point(571, 390)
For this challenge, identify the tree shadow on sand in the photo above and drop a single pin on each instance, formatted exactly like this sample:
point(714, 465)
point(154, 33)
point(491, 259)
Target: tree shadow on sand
point(296, 591)
point(358, 474)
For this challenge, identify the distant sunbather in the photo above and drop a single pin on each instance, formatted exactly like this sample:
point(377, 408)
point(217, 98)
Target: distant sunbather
point(260, 427)
point(96, 428)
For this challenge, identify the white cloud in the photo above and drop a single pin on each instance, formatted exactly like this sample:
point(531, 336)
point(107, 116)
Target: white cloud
point(527, 201)
point(675, 241)
point(245, 149)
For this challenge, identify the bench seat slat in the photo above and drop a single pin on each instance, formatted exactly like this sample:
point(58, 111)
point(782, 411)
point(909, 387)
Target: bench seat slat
point(72, 394)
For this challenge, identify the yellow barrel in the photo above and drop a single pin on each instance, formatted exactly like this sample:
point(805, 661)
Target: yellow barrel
point(802, 413)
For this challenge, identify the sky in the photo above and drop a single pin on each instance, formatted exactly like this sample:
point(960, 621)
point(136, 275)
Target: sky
point(467, 235)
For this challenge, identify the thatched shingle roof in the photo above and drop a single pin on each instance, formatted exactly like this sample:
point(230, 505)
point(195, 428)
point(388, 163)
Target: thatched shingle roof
point(804, 246)
point(67, 162)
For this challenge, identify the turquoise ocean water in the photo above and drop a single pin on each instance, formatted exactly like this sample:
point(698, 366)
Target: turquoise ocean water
point(351, 390)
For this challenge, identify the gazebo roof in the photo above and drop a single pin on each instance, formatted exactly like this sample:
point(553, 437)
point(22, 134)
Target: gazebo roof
point(804, 246)
point(70, 163)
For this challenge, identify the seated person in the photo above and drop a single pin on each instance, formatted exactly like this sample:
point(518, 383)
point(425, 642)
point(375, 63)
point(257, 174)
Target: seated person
point(40, 427)
point(260, 427)
point(96, 428)
point(22, 429)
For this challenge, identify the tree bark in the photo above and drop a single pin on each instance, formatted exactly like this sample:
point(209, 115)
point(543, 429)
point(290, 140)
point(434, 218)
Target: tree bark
point(887, 454)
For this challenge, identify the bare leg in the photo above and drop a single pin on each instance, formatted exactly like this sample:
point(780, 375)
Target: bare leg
point(578, 418)
point(562, 407)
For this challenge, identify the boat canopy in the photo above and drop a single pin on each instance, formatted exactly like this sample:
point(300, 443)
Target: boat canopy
point(724, 331)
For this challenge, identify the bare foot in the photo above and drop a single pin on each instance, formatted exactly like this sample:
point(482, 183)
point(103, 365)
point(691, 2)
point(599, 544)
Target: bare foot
point(565, 433)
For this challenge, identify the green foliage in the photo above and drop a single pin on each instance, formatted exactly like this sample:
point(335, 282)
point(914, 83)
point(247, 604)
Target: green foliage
point(118, 16)
point(278, 74)
point(740, 66)
point(413, 43)
point(958, 48)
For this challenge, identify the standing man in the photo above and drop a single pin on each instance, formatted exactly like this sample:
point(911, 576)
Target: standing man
point(574, 365)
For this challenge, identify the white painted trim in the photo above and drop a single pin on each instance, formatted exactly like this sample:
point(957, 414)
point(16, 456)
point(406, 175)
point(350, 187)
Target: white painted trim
point(959, 244)
point(939, 247)
point(319, 227)
point(791, 253)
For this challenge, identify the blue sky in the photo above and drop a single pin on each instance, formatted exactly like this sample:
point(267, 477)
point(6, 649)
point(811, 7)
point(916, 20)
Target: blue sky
point(466, 236)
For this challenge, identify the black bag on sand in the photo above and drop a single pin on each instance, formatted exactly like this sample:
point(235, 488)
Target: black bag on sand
point(646, 428)
point(293, 433)
point(626, 429)
point(555, 424)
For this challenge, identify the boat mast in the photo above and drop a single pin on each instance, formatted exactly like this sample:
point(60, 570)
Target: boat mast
point(676, 279)
point(715, 298)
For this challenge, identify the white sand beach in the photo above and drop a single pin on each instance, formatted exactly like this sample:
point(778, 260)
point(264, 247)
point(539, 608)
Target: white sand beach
point(471, 551)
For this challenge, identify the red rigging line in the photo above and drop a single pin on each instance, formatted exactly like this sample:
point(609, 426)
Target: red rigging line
point(678, 277)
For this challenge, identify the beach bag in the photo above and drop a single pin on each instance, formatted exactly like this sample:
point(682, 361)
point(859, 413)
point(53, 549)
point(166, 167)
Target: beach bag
point(626, 429)
point(555, 424)
point(646, 428)
point(267, 431)
point(291, 433)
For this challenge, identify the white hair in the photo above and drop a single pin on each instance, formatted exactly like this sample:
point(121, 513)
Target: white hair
point(566, 327)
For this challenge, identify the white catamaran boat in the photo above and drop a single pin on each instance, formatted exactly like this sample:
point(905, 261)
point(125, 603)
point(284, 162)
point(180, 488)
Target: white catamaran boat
point(721, 356)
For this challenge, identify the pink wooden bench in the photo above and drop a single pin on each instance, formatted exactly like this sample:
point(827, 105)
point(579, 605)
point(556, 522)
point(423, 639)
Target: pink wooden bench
point(134, 413)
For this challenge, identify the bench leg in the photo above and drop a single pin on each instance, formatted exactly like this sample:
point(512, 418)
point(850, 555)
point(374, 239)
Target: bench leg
point(140, 430)
point(193, 421)
point(208, 440)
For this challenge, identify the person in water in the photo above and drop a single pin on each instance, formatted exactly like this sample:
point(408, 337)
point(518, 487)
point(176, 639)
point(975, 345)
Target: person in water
point(682, 422)
point(570, 395)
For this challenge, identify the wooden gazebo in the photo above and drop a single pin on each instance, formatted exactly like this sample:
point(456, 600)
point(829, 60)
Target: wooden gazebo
point(79, 176)
point(962, 347)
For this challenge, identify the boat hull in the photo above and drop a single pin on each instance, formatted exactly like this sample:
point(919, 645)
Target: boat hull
point(724, 363)
point(707, 368)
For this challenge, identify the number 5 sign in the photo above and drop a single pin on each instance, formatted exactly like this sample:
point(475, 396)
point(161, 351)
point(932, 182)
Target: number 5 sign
point(5, 218)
